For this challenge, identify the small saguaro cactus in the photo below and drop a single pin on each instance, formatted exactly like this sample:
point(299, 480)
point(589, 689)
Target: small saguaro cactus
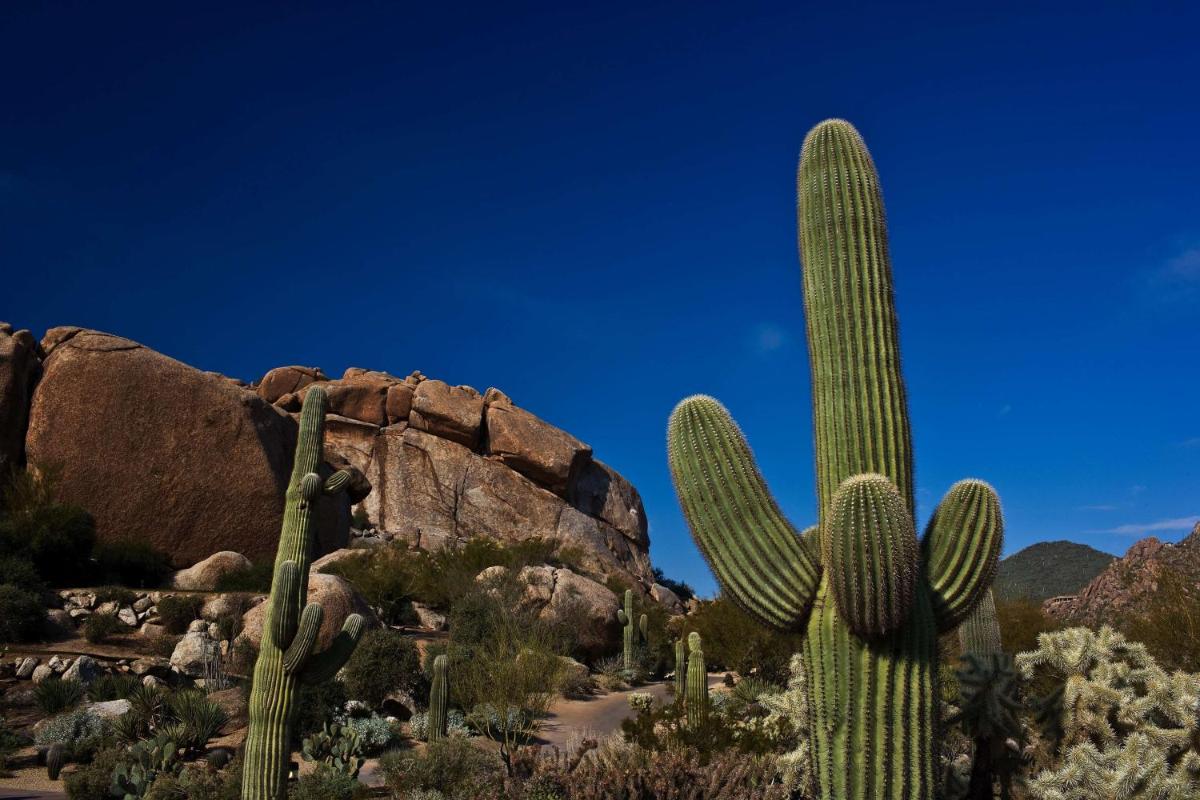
point(680, 669)
point(697, 683)
point(625, 617)
point(286, 656)
point(870, 597)
point(56, 759)
point(439, 695)
point(644, 629)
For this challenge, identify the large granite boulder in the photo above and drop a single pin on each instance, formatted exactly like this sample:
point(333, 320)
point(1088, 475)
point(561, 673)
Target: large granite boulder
point(336, 596)
point(186, 461)
point(203, 576)
point(561, 595)
point(286, 380)
point(20, 367)
point(451, 412)
point(536, 449)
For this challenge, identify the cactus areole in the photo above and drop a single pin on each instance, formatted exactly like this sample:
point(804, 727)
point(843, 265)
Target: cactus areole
point(869, 596)
point(286, 657)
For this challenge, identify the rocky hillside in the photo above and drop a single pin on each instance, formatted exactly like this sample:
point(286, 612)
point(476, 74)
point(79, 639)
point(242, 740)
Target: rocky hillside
point(1121, 589)
point(194, 462)
point(1049, 569)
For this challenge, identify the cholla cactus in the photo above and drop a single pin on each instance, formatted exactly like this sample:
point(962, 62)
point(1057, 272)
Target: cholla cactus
point(791, 707)
point(1127, 729)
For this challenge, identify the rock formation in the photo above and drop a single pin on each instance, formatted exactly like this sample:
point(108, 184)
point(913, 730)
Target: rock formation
point(193, 463)
point(1122, 588)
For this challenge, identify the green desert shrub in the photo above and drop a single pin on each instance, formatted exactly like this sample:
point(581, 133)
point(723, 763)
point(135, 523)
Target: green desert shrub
point(317, 704)
point(1169, 622)
point(454, 767)
point(113, 686)
point(115, 594)
point(255, 578)
point(80, 731)
point(456, 724)
point(680, 588)
point(134, 564)
point(22, 617)
point(178, 611)
point(734, 640)
point(1022, 621)
point(54, 695)
point(384, 662)
point(383, 577)
point(326, 783)
point(197, 719)
point(56, 538)
point(93, 780)
point(199, 782)
point(20, 572)
point(673, 775)
point(98, 627)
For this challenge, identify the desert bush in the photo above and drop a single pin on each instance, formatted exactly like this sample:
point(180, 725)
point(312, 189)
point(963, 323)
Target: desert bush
point(453, 766)
point(734, 640)
point(94, 779)
point(21, 573)
point(1169, 622)
point(54, 695)
point(456, 724)
point(98, 627)
point(134, 564)
point(115, 594)
point(382, 577)
point(199, 782)
point(255, 578)
point(22, 617)
point(680, 588)
point(384, 662)
point(57, 539)
point(359, 518)
point(80, 731)
point(197, 719)
point(1021, 623)
point(610, 674)
point(113, 686)
point(177, 611)
point(662, 727)
point(326, 783)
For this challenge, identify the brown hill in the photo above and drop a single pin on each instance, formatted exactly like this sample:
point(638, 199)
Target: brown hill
point(1122, 589)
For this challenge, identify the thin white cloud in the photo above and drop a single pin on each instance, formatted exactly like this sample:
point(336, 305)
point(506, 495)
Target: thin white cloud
point(1138, 528)
point(1192, 442)
point(1005, 410)
point(769, 338)
point(1098, 507)
point(1175, 279)
point(1184, 267)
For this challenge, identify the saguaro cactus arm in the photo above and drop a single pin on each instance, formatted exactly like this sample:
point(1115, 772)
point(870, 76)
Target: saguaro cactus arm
point(962, 549)
point(755, 552)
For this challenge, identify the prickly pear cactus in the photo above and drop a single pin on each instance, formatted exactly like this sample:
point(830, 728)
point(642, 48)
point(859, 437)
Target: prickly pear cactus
point(870, 596)
point(286, 656)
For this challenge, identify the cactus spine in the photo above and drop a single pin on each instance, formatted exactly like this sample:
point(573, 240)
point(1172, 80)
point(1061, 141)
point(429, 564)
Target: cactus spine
point(680, 669)
point(625, 616)
point(438, 700)
point(56, 759)
point(697, 684)
point(286, 657)
point(871, 599)
point(980, 632)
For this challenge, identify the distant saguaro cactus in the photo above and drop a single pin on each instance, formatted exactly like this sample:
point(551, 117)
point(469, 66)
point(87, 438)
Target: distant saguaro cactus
point(680, 669)
point(286, 657)
point(438, 700)
point(697, 683)
point(871, 598)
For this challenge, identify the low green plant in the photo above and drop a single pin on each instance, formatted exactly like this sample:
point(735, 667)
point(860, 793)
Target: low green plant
point(22, 617)
point(456, 724)
point(56, 538)
point(54, 695)
point(452, 766)
point(20, 572)
point(255, 578)
point(97, 628)
point(143, 763)
point(115, 594)
point(326, 783)
point(384, 662)
point(81, 731)
point(199, 782)
point(178, 611)
point(134, 564)
point(317, 704)
point(113, 686)
point(337, 747)
point(93, 780)
point(197, 719)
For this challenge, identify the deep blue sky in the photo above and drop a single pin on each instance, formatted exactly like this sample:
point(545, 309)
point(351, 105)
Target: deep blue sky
point(594, 211)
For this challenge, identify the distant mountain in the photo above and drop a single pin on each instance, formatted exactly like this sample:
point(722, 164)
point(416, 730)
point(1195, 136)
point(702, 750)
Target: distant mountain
point(1049, 569)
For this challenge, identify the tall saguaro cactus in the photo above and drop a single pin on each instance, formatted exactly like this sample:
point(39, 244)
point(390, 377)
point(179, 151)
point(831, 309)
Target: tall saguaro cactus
point(625, 617)
point(680, 669)
point(286, 656)
point(870, 597)
point(439, 696)
point(697, 684)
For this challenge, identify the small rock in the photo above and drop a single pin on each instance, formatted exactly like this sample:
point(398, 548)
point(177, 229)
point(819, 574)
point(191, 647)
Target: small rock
point(79, 613)
point(143, 604)
point(111, 607)
point(82, 599)
point(192, 654)
point(204, 575)
point(110, 709)
point(85, 670)
point(25, 667)
point(429, 619)
point(198, 626)
point(152, 631)
point(41, 673)
point(151, 665)
point(214, 631)
point(61, 619)
point(128, 616)
point(57, 664)
point(150, 680)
